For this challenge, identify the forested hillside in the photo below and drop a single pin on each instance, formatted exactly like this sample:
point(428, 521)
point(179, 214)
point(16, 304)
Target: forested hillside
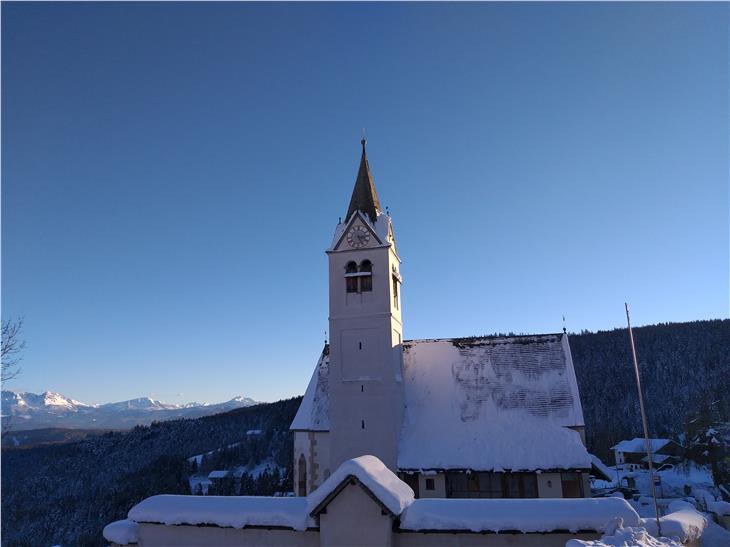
point(685, 368)
point(65, 494)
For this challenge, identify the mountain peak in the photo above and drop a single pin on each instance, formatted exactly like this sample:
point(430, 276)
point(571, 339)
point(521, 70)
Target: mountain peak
point(50, 409)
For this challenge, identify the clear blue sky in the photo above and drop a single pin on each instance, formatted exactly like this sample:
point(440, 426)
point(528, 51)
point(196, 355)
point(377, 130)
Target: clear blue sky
point(172, 174)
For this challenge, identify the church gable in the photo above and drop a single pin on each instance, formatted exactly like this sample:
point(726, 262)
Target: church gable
point(357, 234)
point(313, 413)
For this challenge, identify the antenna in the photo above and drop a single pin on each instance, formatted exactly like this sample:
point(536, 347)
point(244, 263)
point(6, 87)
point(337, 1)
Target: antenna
point(565, 331)
point(647, 442)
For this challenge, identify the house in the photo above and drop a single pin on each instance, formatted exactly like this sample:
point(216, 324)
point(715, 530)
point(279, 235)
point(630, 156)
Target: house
point(631, 454)
point(480, 417)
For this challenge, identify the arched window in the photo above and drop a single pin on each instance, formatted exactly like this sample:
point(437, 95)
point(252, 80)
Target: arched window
point(302, 476)
point(366, 281)
point(351, 277)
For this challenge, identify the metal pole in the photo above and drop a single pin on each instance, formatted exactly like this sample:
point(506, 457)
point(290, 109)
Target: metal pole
point(643, 421)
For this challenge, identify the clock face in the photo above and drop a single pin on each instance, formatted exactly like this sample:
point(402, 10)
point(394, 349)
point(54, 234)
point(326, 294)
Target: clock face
point(358, 237)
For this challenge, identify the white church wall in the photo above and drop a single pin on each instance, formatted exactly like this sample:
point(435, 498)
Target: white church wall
point(353, 518)
point(315, 447)
point(549, 485)
point(205, 536)
point(462, 539)
point(365, 382)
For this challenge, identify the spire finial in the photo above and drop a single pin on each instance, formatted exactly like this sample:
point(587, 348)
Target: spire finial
point(364, 198)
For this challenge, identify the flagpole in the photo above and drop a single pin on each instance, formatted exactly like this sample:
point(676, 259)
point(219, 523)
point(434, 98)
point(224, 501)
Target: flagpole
point(643, 421)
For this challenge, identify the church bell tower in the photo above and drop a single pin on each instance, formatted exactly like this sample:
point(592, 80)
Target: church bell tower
point(366, 364)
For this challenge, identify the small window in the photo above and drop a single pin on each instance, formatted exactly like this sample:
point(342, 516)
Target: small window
point(395, 292)
point(351, 282)
point(362, 424)
point(366, 281)
point(302, 476)
point(572, 485)
point(430, 484)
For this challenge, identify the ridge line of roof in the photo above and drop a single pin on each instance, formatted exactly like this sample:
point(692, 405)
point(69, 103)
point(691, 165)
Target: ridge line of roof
point(485, 337)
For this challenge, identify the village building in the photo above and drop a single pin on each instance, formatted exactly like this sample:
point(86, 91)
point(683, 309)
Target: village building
point(481, 417)
point(631, 454)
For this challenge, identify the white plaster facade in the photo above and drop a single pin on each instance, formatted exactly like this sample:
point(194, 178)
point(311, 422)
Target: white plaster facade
point(366, 378)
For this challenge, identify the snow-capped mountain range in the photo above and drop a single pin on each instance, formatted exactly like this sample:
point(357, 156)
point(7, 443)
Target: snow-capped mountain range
point(24, 410)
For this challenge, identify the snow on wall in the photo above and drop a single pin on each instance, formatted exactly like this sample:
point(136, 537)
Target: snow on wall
point(623, 537)
point(122, 532)
point(523, 515)
point(683, 522)
point(314, 410)
point(231, 511)
point(461, 396)
point(371, 472)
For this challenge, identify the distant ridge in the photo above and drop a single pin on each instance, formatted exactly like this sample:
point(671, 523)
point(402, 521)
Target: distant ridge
point(28, 411)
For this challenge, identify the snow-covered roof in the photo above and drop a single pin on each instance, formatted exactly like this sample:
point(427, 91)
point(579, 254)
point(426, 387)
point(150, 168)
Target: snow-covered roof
point(314, 410)
point(372, 474)
point(657, 458)
point(683, 522)
point(462, 394)
point(226, 511)
point(121, 532)
point(218, 474)
point(602, 468)
point(522, 515)
point(638, 445)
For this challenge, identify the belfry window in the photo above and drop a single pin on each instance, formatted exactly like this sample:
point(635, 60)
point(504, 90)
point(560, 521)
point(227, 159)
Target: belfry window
point(350, 279)
point(366, 280)
point(359, 279)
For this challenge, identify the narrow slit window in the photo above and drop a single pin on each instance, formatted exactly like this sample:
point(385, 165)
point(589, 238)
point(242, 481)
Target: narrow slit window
point(362, 424)
point(395, 292)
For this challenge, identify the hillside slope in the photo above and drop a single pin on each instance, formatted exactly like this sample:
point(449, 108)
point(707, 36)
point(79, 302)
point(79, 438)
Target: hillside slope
point(65, 494)
point(682, 365)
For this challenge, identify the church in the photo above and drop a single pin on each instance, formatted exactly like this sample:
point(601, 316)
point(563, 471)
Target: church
point(486, 417)
point(409, 443)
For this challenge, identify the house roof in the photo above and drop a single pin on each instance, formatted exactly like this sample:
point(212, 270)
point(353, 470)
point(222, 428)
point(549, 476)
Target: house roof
point(637, 445)
point(600, 470)
point(364, 198)
point(218, 474)
point(314, 410)
point(373, 476)
point(461, 393)
point(658, 458)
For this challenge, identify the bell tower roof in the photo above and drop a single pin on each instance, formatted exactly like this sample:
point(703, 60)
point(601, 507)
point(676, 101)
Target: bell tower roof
point(364, 198)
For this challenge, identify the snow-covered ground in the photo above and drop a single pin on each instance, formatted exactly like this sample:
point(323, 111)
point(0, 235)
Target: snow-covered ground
point(672, 480)
point(254, 472)
point(680, 484)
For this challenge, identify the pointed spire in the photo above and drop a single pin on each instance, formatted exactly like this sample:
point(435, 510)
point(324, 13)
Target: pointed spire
point(364, 198)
